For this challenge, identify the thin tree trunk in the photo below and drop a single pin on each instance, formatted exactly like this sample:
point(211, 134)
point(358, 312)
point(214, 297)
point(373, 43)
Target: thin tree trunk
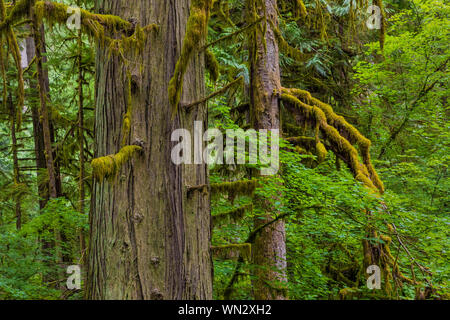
point(18, 210)
point(38, 135)
point(269, 247)
point(44, 115)
point(149, 239)
point(81, 138)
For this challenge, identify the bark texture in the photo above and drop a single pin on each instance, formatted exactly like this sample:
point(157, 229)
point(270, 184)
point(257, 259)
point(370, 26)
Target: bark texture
point(149, 239)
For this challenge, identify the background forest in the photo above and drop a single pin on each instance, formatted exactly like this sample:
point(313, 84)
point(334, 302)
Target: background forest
point(389, 83)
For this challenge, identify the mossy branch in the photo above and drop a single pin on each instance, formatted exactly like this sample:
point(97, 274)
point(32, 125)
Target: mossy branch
point(212, 65)
point(91, 23)
point(109, 166)
point(286, 48)
point(233, 251)
point(20, 10)
point(243, 187)
point(233, 215)
point(235, 33)
point(216, 93)
point(196, 31)
point(340, 144)
point(344, 129)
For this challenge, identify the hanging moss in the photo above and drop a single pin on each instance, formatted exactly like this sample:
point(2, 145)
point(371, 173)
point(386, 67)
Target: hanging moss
point(109, 166)
point(232, 251)
point(341, 144)
point(300, 9)
point(286, 48)
point(321, 152)
point(350, 132)
point(93, 24)
point(212, 65)
point(17, 12)
point(196, 31)
point(244, 187)
point(233, 215)
point(15, 51)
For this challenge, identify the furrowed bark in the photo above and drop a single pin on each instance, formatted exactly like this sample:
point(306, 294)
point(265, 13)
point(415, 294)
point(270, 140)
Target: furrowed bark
point(149, 238)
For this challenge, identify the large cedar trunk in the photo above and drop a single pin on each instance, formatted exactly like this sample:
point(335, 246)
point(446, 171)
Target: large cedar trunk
point(269, 248)
point(149, 239)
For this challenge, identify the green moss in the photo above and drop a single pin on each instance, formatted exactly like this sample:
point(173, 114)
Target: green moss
point(93, 24)
point(244, 187)
point(286, 48)
point(232, 251)
point(20, 9)
point(342, 145)
point(15, 51)
point(196, 32)
point(109, 166)
point(300, 9)
point(340, 124)
point(233, 215)
point(212, 65)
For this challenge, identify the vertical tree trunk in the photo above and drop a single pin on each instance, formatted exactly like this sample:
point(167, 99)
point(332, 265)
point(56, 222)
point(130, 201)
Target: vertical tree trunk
point(38, 135)
point(13, 112)
point(269, 248)
point(81, 138)
point(44, 114)
point(149, 239)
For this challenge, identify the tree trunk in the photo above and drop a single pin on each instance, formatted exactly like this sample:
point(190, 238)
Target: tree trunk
point(13, 111)
point(44, 114)
point(149, 239)
point(38, 135)
point(269, 248)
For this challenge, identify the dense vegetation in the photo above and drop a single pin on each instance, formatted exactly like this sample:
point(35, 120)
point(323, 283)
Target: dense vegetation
point(391, 84)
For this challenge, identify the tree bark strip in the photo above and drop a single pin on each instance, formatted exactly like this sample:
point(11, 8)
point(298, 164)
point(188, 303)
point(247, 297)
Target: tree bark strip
point(269, 247)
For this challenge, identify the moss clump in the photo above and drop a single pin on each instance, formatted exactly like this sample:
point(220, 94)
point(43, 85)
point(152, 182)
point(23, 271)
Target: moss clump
point(212, 65)
point(17, 12)
point(109, 166)
point(321, 152)
point(231, 216)
point(300, 9)
point(244, 187)
point(91, 23)
point(232, 251)
point(196, 31)
point(15, 51)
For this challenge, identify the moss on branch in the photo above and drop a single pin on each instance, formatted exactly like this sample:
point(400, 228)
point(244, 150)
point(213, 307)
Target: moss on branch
point(196, 31)
point(212, 65)
point(232, 251)
point(91, 23)
point(233, 215)
point(243, 187)
point(341, 144)
point(347, 132)
point(109, 166)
